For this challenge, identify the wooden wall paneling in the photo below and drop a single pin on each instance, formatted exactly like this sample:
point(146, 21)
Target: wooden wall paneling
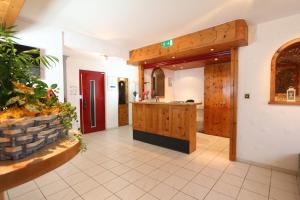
point(164, 120)
point(234, 97)
point(217, 100)
point(151, 120)
point(138, 117)
point(9, 10)
point(221, 37)
point(141, 81)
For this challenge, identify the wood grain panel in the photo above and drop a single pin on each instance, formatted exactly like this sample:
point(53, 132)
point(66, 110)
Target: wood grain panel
point(138, 117)
point(141, 81)
point(123, 114)
point(9, 10)
point(221, 37)
point(218, 117)
point(175, 121)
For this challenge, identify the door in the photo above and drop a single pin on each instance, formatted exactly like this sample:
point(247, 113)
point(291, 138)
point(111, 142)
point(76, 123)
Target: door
point(92, 103)
point(123, 101)
point(218, 118)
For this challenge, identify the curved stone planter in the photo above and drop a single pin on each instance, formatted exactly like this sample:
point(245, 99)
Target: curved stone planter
point(22, 137)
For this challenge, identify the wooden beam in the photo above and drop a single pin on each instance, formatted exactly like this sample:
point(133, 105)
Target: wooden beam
point(9, 10)
point(141, 81)
point(234, 95)
point(223, 37)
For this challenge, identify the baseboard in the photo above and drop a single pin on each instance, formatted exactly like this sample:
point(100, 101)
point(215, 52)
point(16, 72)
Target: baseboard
point(162, 141)
point(287, 171)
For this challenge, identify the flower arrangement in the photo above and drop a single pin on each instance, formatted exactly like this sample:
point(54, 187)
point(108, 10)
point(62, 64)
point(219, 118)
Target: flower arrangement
point(22, 94)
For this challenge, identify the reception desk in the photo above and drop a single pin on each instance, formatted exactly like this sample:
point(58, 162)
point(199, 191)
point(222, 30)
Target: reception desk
point(170, 125)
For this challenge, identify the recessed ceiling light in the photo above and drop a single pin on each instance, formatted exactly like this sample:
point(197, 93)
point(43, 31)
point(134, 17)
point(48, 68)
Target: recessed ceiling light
point(173, 57)
point(145, 62)
point(212, 49)
point(216, 59)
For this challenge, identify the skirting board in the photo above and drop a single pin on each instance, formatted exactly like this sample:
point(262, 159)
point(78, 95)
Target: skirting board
point(287, 171)
point(163, 141)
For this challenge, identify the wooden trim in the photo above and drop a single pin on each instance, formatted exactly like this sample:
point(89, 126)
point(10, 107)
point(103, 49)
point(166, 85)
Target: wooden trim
point(141, 81)
point(234, 93)
point(273, 73)
point(9, 11)
point(283, 103)
point(14, 173)
point(222, 37)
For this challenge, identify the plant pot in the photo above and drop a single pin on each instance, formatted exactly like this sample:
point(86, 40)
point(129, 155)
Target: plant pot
point(22, 137)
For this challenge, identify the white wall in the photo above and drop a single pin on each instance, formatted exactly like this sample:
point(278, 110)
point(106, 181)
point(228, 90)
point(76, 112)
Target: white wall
point(50, 41)
point(268, 134)
point(112, 67)
point(189, 84)
point(186, 84)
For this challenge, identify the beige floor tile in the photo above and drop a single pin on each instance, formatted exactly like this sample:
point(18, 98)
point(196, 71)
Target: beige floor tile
point(22, 189)
point(232, 180)
point(159, 174)
point(93, 171)
point(175, 182)
point(256, 187)
point(169, 168)
point(109, 164)
point(247, 195)
point(67, 194)
point(194, 166)
point(132, 176)
point(146, 183)
point(285, 185)
point(85, 186)
point(116, 184)
point(113, 197)
point(99, 193)
point(278, 194)
point(104, 177)
point(283, 177)
point(163, 191)
point(156, 163)
point(133, 163)
point(47, 178)
point(119, 170)
point(65, 172)
point(197, 191)
point(32, 195)
point(54, 188)
point(204, 181)
point(217, 196)
point(213, 173)
point(148, 197)
point(185, 173)
point(258, 178)
point(182, 196)
point(226, 189)
point(145, 169)
point(130, 192)
point(76, 178)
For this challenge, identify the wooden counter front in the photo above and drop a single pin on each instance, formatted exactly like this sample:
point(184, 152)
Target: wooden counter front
point(172, 125)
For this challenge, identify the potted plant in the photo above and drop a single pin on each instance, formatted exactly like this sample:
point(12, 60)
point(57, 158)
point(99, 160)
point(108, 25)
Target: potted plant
point(31, 115)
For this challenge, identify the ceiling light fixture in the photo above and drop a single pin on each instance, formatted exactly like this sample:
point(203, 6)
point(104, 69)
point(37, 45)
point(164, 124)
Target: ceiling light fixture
point(216, 59)
point(212, 49)
point(173, 57)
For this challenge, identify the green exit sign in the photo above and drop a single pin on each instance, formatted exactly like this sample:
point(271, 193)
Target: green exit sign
point(167, 43)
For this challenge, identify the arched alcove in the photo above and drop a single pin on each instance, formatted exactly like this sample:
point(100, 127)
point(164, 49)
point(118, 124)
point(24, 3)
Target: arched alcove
point(285, 74)
point(158, 82)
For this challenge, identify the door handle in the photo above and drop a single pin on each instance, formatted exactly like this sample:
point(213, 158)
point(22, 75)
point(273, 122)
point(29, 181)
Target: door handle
point(84, 104)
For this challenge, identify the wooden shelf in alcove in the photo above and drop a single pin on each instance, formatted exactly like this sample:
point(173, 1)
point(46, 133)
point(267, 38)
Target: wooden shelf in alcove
point(284, 103)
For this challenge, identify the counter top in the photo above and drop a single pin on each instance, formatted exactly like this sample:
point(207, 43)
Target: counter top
point(166, 103)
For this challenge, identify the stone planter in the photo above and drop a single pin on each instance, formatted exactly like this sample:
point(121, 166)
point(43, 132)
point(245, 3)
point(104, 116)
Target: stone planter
point(22, 137)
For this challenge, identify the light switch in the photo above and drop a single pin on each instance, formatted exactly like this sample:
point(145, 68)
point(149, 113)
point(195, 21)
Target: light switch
point(247, 96)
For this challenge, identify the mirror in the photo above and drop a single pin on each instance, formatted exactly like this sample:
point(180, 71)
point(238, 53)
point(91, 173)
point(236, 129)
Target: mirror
point(285, 83)
point(158, 82)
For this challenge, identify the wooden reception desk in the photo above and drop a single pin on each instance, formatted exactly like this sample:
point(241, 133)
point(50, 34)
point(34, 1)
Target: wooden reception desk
point(171, 125)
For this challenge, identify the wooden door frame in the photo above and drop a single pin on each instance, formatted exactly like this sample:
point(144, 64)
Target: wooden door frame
point(233, 94)
point(127, 97)
point(81, 102)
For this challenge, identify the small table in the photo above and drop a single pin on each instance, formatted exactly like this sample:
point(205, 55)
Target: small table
point(14, 173)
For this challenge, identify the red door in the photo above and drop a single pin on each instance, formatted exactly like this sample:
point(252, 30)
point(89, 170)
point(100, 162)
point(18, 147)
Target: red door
point(92, 103)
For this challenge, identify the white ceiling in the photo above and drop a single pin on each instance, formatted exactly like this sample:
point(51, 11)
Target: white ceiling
point(136, 23)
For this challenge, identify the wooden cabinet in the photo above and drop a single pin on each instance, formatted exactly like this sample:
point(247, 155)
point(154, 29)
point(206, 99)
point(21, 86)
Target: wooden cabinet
point(138, 117)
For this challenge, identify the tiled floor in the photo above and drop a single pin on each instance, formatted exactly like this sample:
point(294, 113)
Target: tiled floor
point(116, 167)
